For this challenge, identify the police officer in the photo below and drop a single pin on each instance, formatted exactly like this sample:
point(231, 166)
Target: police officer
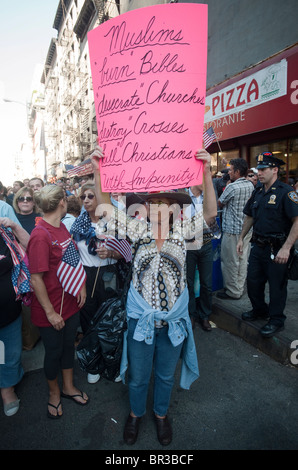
point(272, 211)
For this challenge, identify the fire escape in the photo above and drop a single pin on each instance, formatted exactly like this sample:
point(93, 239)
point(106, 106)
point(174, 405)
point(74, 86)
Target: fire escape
point(83, 135)
point(70, 111)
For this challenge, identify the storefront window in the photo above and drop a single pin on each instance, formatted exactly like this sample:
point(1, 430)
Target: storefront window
point(214, 167)
point(286, 150)
point(293, 160)
point(221, 160)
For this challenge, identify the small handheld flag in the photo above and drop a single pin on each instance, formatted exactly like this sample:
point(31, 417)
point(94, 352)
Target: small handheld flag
point(70, 272)
point(122, 246)
point(209, 137)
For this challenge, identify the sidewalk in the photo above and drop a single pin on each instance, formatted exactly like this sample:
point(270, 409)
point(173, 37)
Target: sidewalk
point(227, 316)
point(223, 410)
point(243, 400)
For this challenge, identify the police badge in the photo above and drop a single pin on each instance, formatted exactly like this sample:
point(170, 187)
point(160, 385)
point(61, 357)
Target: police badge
point(293, 195)
point(272, 199)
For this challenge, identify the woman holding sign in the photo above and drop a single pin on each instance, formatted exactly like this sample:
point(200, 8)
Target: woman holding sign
point(159, 327)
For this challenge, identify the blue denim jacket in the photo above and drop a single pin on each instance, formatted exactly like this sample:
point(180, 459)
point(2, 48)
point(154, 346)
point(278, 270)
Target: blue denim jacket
point(180, 329)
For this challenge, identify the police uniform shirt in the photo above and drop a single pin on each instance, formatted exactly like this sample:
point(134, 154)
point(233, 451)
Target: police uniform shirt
point(273, 210)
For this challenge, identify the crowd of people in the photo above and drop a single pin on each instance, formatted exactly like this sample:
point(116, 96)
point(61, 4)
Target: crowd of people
point(42, 225)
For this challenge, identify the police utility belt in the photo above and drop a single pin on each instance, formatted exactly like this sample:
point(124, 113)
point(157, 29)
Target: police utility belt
point(274, 241)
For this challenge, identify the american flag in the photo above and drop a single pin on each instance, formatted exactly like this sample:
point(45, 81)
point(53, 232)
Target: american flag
point(20, 274)
point(82, 226)
point(85, 168)
point(209, 137)
point(122, 246)
point(70, 272)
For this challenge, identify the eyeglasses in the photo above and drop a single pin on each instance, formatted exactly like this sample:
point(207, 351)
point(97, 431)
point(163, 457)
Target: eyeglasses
point(156, 203)
point(89, 196)
point(25, 199)
point(251, 175)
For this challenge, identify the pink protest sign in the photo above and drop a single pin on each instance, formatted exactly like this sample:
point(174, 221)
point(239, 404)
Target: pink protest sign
point(149, 81)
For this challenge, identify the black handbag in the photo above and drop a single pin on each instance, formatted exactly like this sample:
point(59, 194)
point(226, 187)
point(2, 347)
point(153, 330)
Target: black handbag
point(100, 350)
point(293, 266)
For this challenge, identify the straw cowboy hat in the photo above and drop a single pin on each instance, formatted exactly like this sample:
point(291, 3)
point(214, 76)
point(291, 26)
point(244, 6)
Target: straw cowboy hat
point(180, 196)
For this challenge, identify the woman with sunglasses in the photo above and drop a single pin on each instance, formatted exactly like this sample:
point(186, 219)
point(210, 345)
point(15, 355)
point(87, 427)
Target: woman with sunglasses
point(25, 208)
point(252, 176)
point(99, 261)
point(159, 328)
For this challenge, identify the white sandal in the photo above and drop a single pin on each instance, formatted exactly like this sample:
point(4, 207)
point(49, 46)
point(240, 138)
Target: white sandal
point(12, 408)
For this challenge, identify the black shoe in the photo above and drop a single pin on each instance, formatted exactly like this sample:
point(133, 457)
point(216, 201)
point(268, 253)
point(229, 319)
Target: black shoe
point(205, 324)
point(131, 430)
point(252, 316)
point(164, 430)
point(270, 330)
point(225, 296)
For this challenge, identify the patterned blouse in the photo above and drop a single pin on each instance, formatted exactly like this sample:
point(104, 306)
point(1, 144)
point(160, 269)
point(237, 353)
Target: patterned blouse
point(158, 276)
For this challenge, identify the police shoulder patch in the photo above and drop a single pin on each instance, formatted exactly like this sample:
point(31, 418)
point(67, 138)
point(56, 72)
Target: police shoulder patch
point(293, 195)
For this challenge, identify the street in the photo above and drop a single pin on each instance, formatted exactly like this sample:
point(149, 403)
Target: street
point(243, 400)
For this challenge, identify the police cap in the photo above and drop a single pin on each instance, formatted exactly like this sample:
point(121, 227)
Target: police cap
point(267, 160)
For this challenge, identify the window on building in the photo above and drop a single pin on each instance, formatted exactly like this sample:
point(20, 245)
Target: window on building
point(293, 159)
point(221, 160)
point(83, 22)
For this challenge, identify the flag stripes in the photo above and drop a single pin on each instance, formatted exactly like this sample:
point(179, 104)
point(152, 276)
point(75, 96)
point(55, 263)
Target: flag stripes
point(83, 169)
point(122, 246)
point(209, 137)
point(70, 271)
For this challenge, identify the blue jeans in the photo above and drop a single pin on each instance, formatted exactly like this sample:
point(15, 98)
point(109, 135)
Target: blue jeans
point(141, 358)
point(11, 372)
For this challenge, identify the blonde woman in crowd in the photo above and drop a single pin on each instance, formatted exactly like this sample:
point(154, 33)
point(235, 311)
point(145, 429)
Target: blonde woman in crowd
point(54, 311)
point(25, 208)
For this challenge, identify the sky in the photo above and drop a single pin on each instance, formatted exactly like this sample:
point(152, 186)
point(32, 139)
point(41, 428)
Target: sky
point(26, 29)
